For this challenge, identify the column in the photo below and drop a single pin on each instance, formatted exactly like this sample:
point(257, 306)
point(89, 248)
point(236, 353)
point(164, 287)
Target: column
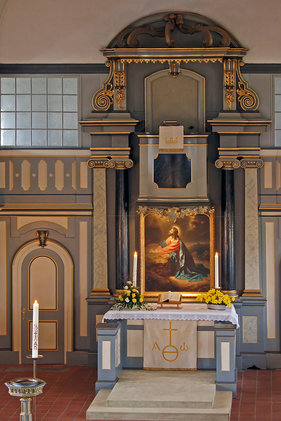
point(252, 273)
point(122, 235)
point(228, 229)
point(228, 243)
point(100, 273)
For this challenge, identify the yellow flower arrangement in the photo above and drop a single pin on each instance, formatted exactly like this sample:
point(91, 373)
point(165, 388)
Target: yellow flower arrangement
point(130, 297)
point(215, 296)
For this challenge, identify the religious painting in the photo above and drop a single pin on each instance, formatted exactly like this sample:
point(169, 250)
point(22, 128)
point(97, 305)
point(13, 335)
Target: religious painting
point(176, 249)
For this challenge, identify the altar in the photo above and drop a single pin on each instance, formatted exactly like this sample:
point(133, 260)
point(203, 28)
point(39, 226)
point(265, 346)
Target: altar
point(124, 342)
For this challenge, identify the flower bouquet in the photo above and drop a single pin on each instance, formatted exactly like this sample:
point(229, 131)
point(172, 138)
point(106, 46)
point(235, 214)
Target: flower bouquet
point(130, 298)
point(216, 299)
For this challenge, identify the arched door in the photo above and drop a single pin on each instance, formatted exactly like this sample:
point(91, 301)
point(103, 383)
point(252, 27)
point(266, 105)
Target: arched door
point(45, 274)
point(42, 280)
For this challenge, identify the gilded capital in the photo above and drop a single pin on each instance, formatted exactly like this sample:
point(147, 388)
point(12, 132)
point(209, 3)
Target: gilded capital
point(227, 163)
point(251, 163)
point(118, 164)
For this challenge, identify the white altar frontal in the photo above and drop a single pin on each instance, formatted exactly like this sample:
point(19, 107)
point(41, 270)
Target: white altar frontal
point(191, 337)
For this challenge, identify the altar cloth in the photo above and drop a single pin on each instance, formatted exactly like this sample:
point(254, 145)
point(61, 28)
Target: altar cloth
point(185, 312)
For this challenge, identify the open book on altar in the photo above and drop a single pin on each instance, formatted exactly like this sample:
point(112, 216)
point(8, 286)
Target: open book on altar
point(169, 297)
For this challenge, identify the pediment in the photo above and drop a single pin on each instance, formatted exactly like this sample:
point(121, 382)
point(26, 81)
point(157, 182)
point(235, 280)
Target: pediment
point(174, 30)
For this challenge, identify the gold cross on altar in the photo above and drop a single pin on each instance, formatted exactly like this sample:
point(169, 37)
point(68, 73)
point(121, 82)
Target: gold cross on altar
point(170, 330)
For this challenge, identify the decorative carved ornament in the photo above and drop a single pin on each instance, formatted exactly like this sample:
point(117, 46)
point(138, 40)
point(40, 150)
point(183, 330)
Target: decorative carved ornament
point(42, 237)
point(247, 97)
point(227, 163)
point(229, 82)
point(176, 212)
point(117, 164)
point(233, 163)
point(115, 84)
point(251, 163)
point(163, 26)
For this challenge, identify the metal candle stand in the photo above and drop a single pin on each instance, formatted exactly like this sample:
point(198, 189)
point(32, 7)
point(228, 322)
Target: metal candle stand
point(26, 389)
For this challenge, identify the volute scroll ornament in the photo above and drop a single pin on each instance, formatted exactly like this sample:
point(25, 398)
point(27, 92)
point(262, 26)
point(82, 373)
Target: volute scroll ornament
point(227, 163)
point(114, 86)
point(102, 100)
point(106, 163)
point(251, 163)
point(247, 97)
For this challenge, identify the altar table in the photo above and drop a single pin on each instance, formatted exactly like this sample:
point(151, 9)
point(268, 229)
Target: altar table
point(117, 325)
point(185, 312)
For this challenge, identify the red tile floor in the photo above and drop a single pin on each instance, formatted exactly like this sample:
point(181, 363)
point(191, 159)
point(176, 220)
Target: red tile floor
point(66, 396)
point(70, 390)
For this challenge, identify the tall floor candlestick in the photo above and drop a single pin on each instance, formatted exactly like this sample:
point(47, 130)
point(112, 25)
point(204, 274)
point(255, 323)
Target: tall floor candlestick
point(35, 330)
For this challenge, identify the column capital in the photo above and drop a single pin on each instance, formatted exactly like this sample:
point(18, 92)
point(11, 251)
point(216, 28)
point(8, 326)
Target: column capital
point(118, 164)
point(227, 163)
point(251, 163)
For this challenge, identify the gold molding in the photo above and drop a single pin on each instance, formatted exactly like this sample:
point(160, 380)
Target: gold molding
point(109, 133)
point(57, 282)
point(109, 148)
point(236, 133)
point(108, 122)
point(57, 335)
point(45, 206)
point(240, 149)
point(185, 136)
point(252, 293)
point(172, 214)
point(234, 122)
point(100, 291)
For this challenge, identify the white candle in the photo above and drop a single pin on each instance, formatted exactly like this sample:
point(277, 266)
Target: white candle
point(135, 266)
point(35, 330)
point(217, 283)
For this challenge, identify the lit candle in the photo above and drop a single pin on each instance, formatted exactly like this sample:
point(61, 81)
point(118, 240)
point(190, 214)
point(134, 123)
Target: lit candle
point(217, 283)
point(135, 266)
point(35, 330)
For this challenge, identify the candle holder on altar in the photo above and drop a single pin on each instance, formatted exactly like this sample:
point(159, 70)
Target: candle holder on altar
point(25, 389)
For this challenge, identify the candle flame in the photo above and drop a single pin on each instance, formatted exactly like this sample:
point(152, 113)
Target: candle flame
point(35, 302)
point(135, 253)
point(216, 254)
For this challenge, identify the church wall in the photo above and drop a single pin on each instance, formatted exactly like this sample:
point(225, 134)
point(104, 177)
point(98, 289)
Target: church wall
point(66, 32)
point(16, 238)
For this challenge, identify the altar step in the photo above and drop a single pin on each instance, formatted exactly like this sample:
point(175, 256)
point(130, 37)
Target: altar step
point(162, 395)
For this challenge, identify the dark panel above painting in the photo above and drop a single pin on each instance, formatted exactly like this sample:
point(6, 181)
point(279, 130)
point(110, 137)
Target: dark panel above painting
point(180, 177)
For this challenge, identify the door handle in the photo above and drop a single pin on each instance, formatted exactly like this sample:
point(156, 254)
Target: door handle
point(23, 312)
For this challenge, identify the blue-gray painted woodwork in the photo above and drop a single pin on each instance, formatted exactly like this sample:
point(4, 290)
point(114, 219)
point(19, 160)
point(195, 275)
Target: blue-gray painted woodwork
point(224, 332)
point(226, 380)
point(107, 378)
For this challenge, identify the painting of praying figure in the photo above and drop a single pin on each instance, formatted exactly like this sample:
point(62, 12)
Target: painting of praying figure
point(177, 250)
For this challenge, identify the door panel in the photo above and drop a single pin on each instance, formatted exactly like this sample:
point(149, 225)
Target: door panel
point(42, 280)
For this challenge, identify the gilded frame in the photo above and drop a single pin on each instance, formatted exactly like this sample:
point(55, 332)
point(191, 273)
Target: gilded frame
point(192, 222)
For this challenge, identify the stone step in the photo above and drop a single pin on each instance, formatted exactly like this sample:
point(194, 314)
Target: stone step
point(221, 410)
point(167, 394)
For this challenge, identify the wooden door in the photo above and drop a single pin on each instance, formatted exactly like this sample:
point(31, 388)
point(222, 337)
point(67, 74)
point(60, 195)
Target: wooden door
point(42, 279)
